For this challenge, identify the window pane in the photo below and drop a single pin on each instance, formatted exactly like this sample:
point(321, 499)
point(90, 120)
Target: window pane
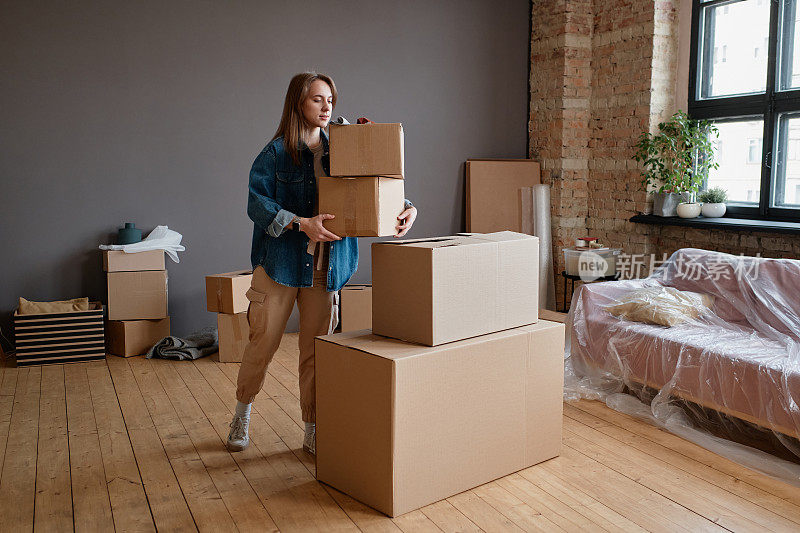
point(786, 188)
point(789, 64)
point(738, 152)
point(734, 52)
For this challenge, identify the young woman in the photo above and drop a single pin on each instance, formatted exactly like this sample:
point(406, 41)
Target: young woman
point(294, 257)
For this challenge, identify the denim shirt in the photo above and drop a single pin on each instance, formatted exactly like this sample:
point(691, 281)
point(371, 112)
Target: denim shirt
point(278, 191)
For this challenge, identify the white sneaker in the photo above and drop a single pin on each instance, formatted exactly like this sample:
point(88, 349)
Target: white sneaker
point(238, 438)
point(310, 439)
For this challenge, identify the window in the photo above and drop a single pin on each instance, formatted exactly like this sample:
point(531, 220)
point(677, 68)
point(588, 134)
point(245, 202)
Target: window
point(754, 151)
point(745, 77)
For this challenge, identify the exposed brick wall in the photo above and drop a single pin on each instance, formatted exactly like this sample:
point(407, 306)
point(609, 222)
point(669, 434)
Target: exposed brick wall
point(602, 72)
point(622, 64)
point(560, 114)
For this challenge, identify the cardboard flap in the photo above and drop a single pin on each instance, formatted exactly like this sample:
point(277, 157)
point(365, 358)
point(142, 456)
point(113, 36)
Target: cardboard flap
point(233, 274)
point(356, 287)
point(363, 341)
point(460, 239)
point(499, 236)
point(389, 348)
point(434, 242)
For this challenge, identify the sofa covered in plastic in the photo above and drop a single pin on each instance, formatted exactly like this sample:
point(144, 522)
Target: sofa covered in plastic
point(741, 358)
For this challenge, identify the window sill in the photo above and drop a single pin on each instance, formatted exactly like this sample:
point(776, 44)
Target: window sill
point(724, 223)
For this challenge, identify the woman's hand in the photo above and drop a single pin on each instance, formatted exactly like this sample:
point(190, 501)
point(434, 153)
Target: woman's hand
point(316, 231)
point(406, 219)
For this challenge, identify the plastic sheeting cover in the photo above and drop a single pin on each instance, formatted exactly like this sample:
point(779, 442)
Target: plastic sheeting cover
point(739, 356)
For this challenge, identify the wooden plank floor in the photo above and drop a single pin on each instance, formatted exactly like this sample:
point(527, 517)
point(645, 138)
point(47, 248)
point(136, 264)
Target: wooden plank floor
point(132, 444)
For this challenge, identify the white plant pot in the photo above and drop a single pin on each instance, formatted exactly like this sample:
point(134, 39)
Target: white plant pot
point(688, 210)
point(713, 210)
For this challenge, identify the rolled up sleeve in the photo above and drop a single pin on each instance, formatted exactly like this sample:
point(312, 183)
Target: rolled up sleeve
point(407, 203)
point(278, 225)
point(262, 208)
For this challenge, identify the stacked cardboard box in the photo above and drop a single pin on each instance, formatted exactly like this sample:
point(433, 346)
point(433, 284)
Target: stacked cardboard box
point(137, 301)
point(226, 296)
point(433, 291)
point(355, 307)
point(366, 190)
point(459, 383)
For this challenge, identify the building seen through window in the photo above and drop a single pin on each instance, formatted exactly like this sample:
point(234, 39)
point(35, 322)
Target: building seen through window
point(746, 79)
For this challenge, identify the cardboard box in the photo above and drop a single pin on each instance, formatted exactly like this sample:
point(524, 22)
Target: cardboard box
point(364, 207)
point(137, 295)
point(119, 261)
point(400, 426)
point(445, 289)
point(50, 338)
point(234, 334)
point(355, 304)
point(225, 293)
point(367, 150)
point(127, 338)
point(492, 193)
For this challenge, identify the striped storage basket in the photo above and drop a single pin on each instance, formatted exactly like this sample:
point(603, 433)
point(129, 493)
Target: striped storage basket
point(50, 338)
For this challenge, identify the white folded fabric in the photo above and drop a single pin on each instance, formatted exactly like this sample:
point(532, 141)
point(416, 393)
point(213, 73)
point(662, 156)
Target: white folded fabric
point(161, 238)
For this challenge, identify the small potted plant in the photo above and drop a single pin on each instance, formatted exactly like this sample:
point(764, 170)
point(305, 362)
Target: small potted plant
point(714, 202)
point(676, 161)
point(689, 209)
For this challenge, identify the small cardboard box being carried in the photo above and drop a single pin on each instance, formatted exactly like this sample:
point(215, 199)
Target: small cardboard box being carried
point(363, 207)
point(444, 289)
point(225, 293)
point(127, 338)
point(400, 425)
point(355, 303)
point(137, 295)
point(234, 334)
point(119, 261)
point(366, 150)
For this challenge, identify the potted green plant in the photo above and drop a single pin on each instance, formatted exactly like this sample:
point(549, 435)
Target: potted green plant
point(676, 160)
point(714, 202)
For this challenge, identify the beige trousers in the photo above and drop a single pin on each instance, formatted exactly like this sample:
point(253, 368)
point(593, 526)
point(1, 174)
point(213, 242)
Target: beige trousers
point(270, 306)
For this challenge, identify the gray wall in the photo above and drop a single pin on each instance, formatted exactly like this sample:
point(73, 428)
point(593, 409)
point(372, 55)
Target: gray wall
point(153, 112)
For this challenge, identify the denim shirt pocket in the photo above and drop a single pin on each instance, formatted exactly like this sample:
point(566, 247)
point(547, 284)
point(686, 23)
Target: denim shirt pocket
point(289, 189)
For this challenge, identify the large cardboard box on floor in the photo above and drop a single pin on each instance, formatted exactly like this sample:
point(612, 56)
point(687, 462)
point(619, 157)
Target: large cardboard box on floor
point(366, 150)
point(492, 193)
point(127, 338)
point(225, 293)
point(363, 207)
point(137, 295)
point(355, 303)
point(119, 261)
point(400, 426)
point(234, 334)
point(443, 289)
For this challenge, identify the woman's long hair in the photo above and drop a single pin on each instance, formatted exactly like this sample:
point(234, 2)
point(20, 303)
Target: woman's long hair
point(293, 124)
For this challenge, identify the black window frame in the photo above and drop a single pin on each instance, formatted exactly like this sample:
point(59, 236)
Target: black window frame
point(768, 105)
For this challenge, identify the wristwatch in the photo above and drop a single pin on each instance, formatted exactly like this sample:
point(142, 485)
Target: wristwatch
point(296, 223)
